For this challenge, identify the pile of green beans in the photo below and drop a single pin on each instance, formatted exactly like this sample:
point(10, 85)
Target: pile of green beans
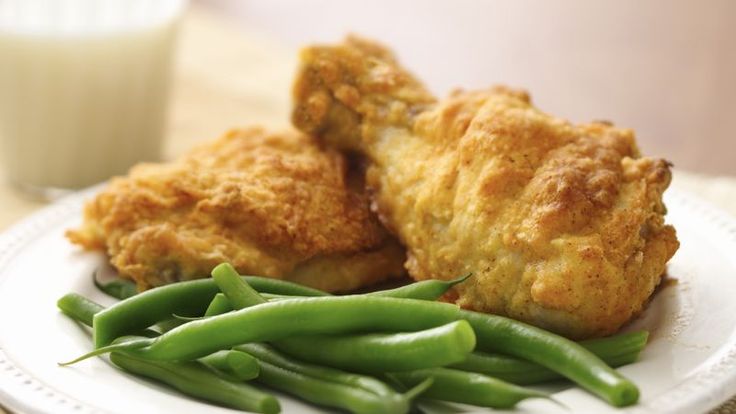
point(211, 338)
point(199, 379)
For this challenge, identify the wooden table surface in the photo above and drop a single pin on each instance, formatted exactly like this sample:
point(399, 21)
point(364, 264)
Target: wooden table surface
point(245, 79)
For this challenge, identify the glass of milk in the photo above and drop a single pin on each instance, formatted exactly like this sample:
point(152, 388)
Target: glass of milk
point(83, 88)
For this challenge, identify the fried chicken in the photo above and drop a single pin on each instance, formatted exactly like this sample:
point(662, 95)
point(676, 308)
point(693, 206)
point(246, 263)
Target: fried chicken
point(561, 225)
point(275, 205)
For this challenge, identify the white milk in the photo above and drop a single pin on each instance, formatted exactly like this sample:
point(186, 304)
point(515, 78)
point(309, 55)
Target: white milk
point(83, 87)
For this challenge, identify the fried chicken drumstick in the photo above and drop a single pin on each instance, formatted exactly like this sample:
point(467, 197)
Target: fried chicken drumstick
point(562, 225)
point(271, 204)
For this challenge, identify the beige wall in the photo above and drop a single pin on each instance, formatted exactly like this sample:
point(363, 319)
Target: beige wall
point(665, 68)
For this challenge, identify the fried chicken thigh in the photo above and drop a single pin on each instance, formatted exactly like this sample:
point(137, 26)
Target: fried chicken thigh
point(275, 205)
point(561, 225)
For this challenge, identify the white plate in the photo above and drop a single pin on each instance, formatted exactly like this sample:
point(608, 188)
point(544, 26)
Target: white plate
point(689, 365)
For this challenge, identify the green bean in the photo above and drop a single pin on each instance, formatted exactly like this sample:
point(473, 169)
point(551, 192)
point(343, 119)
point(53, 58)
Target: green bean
point(82, 310)
point(504, 335)
point(511, 369)
point(192, 378)
point(243, 365)
point(621, 344)
point(516, 371)
point(327, 393)
point(79, 308)
point(119, 288)
point(431, 289)
point(271, 296)
point(218, 306)
point(281, 287)
point(277, 320)
point(467, 387)
point(149, 307)
point(326, 386)
point(185, 319)
point(429, 348)
point(182, 298)
point(267, 354)
point(238, 292)
point(237, 363)
point(616, 351)
point(168, 324)
point(621, 360)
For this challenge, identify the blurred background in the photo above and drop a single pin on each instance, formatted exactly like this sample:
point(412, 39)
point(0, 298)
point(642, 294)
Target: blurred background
point(667, 69)
point(664, 68)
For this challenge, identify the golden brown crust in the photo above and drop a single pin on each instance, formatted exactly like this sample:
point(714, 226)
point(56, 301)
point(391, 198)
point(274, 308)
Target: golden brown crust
point(342, 86)
point(561, 224)
point(265, 202)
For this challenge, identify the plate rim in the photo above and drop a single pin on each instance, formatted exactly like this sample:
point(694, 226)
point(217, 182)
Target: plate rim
point(19, 390)
point(22, 393)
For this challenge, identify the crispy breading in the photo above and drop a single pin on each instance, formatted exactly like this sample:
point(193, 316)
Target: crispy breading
point(272, 204)
point(562, 225)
